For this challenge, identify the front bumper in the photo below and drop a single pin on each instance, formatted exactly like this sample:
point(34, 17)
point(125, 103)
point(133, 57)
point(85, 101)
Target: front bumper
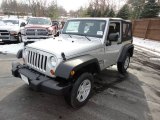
point(8, 38)
point(40, 82)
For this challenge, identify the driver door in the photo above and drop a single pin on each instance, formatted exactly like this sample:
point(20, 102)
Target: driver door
point(112, 49)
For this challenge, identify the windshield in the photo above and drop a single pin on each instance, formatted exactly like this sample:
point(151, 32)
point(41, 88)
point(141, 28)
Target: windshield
point(11, 22)
point(91, 28)
point(39, 21)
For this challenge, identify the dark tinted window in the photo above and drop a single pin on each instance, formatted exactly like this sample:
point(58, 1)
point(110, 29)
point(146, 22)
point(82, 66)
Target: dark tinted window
point(126, 32)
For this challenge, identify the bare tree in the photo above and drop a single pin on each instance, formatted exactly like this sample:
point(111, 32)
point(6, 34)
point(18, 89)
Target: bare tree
point(36, 7)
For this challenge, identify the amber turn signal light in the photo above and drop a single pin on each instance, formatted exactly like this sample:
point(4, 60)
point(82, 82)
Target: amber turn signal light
point(52, 72)
point(72, 72)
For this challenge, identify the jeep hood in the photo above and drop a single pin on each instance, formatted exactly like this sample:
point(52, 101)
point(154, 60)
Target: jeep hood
point(69, 46)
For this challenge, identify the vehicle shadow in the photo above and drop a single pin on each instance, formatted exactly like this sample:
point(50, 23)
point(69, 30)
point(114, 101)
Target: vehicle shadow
point(116, 103)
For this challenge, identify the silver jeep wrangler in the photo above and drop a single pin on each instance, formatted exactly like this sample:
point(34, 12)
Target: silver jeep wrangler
point(67, 64)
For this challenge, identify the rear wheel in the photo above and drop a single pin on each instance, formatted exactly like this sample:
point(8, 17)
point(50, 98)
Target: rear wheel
point(81, 91)
point(123, 66)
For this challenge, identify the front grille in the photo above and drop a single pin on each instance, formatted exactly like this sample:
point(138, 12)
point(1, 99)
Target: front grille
point(4, 32)
point(4, 37)
point(30, 32)
point(37, 32)
point(37, 60)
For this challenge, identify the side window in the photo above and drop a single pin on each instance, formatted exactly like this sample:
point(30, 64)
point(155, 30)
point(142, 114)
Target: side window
point(114, 27)
point(127, 34)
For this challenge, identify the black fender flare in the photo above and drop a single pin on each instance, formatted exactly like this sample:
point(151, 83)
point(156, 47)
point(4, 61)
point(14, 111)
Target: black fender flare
point(127, 48)
point(19, 54)
point(64, 69)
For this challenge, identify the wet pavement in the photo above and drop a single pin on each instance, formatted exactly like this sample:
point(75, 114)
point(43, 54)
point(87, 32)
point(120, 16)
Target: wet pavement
point(135, 96)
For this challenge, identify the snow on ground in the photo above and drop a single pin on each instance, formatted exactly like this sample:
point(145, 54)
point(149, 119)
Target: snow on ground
point(11, 48)
point(147, 44)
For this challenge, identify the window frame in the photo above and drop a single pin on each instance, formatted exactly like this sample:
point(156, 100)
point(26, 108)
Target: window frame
point(120, 38)
point(130, 28)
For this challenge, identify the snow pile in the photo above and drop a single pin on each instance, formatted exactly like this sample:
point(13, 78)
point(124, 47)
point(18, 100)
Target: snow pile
point(148, 44)
point(11, 48)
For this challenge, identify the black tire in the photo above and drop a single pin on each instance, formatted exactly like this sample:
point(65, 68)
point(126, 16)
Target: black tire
point(122, 66)
point(71, 97)
point(19, 38)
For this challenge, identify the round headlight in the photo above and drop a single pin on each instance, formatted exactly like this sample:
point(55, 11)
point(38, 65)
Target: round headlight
point(53, 61)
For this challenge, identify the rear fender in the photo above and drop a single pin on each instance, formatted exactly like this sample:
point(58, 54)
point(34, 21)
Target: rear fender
point(129, 48)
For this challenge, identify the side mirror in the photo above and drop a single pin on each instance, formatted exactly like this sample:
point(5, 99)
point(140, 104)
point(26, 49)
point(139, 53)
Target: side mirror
point(113, 37)
point(23, 24)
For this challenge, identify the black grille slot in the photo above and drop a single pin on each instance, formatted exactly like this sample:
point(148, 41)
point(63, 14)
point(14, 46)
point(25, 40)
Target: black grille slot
point(45, 62)
point(30, 32)
point(3, 31)
point(4, 34)
point(42, 32)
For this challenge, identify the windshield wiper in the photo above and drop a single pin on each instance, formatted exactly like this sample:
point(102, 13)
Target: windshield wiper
point(67, 34)
point(70, 36)
point(87, 38)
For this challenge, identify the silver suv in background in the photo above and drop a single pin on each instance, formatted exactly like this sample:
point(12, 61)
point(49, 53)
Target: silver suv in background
point(10, 30)
point(37, 28)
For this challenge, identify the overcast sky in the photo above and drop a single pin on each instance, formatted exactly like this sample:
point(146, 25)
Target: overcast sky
point(72, 4)
point(75, 4)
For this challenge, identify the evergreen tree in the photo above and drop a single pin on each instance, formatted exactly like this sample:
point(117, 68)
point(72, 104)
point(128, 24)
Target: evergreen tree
point(90, 11)
point(106, 11)
point(150, 10)
point(124, 12)
point(136, 7)
point(111, 13)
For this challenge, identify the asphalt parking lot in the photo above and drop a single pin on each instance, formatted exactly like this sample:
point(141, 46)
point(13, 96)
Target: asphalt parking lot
point(135, 96)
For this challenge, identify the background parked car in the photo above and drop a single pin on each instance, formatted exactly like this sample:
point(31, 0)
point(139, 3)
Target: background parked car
point(10, 30)
point(37, 28)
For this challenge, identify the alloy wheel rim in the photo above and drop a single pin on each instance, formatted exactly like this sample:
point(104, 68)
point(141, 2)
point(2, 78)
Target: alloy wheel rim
point(126, 63)
point(83, 90)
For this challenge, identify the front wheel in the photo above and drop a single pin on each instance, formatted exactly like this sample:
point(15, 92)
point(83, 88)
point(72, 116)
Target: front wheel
point(81, 91)
point(123, 66)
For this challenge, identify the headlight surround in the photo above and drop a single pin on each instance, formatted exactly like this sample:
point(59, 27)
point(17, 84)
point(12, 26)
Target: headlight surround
point(25, 53)
point(23, 32)
point(13, 32)
point(50, 31)
point(53, 61)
